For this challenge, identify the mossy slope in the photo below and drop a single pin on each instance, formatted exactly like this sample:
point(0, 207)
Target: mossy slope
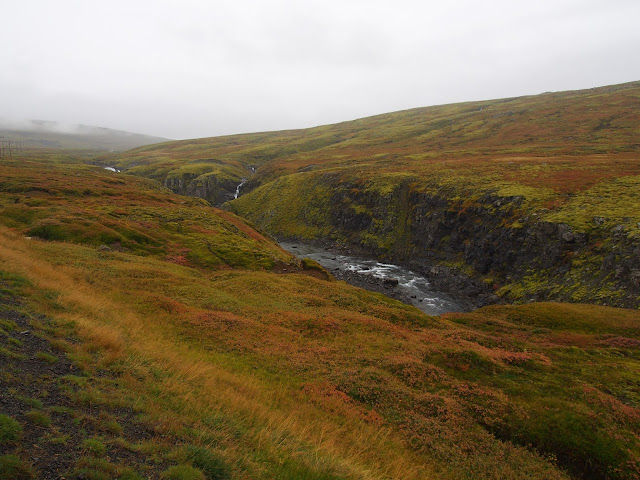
point(91, 206)
point(536, 197)
point(281, 375)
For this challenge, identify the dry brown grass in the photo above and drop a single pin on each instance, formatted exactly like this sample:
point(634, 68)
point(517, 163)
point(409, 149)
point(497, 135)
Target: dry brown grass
point(281, 421)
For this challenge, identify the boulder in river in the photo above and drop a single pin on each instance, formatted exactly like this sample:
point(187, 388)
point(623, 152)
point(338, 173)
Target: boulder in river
point(390, 282)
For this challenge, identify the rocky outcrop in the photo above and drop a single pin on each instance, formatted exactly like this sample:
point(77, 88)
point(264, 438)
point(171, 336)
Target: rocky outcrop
point(486, 248)
point(210, 187)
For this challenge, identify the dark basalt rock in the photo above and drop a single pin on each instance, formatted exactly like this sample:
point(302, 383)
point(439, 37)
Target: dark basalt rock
point(213, 189)
point(492, 237)
point(390, 282)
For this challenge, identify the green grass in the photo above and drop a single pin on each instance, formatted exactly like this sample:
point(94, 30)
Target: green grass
point(13, 467)
point(11, 354)
point(95, 447)
point(60, 439)
point(46, 357)
point(32, 402)
point(183, 472)
point(38, 418)
point(10, 430)
point(212, 465)
point(100, 469)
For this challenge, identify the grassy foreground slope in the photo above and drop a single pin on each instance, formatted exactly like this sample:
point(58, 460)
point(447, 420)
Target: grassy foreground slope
point(534, 197)
point(176, 313)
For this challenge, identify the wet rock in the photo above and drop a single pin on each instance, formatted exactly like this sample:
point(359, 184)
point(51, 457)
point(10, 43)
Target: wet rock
point(608, 262)
point(618, 230)
point(213, 189)
point(390, 282)
point(436, 270)
point(566, 233)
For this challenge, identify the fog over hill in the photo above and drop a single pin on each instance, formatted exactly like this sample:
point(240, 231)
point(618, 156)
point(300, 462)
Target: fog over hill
point(51, 134)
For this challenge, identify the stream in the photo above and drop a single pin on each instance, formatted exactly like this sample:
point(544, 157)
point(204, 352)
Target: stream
point(244, 180)
point(370, 274)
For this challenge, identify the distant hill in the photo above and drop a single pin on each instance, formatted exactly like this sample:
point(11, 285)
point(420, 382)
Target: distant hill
point(47, 134)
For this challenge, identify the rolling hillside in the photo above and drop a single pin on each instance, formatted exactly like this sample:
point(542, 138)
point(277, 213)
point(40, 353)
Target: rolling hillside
point(531, 198)
point(147, 335)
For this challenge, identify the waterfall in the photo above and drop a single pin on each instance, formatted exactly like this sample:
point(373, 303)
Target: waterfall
point(244, 180)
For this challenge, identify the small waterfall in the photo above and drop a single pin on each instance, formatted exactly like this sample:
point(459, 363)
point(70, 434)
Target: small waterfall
point(244, 180)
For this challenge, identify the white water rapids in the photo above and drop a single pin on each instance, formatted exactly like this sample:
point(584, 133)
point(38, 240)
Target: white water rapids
point(415, 288)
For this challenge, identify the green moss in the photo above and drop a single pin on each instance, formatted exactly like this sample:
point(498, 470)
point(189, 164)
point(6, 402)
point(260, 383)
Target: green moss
point(129, 474)
point(70, 230)
point(615, 200)
point(110, 426)
point(307, 213)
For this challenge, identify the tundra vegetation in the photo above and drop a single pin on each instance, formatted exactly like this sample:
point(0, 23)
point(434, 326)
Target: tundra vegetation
point(147, 334)
point(535, 197)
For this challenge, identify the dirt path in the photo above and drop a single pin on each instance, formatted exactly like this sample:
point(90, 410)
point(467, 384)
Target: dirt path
point(66, 432)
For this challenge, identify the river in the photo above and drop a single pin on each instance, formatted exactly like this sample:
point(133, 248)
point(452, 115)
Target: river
point(368, 273)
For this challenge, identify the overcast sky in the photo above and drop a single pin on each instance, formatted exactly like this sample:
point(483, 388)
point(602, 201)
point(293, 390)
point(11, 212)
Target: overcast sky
point(194, 68)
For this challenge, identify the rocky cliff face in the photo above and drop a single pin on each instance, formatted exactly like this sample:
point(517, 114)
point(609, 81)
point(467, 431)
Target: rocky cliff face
point(212, 188)
point(489, 247)
point(527, 258)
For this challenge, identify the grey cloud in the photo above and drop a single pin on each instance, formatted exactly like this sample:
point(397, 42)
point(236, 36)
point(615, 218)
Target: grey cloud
point(202, 68)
